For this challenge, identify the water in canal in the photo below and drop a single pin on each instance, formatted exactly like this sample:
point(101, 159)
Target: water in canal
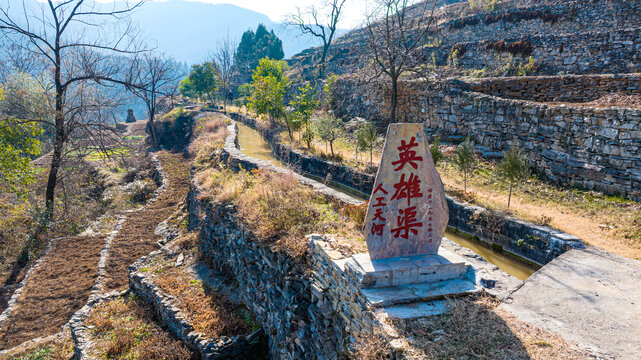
point(253, 144)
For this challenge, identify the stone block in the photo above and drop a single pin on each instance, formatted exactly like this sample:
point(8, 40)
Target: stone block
point(405, 270)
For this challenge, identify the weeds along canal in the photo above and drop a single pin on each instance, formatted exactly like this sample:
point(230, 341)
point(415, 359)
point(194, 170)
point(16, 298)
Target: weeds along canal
point(253, 144)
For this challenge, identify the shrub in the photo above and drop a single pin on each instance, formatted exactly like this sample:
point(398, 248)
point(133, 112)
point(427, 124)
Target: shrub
point(141, 190)
point(435, 150)
point(464, 159)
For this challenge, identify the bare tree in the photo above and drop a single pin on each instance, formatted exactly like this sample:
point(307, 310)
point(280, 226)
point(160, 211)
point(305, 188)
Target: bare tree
point(396, 31)
point(319, 24)
point(74, 38)
point(224, 57)
point(154, 77)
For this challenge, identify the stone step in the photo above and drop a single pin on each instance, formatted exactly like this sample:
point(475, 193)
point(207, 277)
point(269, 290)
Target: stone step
point(445, 265)
point(413, 311)
point(417, 293)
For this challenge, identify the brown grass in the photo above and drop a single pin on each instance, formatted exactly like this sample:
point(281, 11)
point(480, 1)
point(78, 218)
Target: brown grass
point(279, 210)
point(124, 329)
point(58, 288)
point(474, 329)
point(211, 314)
point(209, 135)
point(55, 347)
point(137, 238)
point(609, 222)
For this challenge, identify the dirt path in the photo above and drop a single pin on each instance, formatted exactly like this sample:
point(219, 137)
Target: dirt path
point(562, 218)
point(56, 289)
point(136, 237)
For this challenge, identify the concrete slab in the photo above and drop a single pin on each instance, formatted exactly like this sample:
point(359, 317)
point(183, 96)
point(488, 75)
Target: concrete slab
point(485, 272)
point(591, 297)
point(417, 293)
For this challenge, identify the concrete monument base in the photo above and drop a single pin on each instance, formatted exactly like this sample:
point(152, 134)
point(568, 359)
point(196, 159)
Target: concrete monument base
point(406, 270)
point(411, 286)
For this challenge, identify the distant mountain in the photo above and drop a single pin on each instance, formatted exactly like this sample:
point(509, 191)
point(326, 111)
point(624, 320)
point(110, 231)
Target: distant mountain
point(188, 30)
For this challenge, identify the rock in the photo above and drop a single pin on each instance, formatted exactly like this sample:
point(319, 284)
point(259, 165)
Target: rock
point(355, 124)
point(180, 259)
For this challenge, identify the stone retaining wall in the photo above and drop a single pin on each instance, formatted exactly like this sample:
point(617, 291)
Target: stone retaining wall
point(615, 51)
point(581, 37)
point(561, 18)
point(568, 88)
point(172, 317)
point(586, 147)
point(275, 287)
point(537, 244)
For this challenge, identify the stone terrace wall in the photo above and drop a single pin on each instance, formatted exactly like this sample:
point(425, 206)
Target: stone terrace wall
point(272, 285)
point(568, 88)
point(582, 37)
point(562, 18)
point(617, 51)
point(580, 146)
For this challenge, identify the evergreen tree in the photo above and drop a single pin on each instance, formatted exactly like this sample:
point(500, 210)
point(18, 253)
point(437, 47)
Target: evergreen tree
point(435, 150)
point(254, 46)
point(367, 138)
point(464, 159)
point(329, 128)
point(514, 167)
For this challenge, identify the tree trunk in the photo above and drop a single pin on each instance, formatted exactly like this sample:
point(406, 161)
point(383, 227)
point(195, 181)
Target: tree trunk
point(394, 100)
point(289, 129)
point(321, 68)
point(152, 127)
point(331, 146)
point(465, 181)
point(371, 155)
point(509, 198)
point(56, 157)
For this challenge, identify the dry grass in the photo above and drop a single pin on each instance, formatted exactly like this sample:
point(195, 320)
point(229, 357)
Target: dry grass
point(343, 150)
point(609, 222)
point(280, 211)
point(209, 135)
point(211, 314)
point(56, 347)
point(124, 329)
point(474, 329)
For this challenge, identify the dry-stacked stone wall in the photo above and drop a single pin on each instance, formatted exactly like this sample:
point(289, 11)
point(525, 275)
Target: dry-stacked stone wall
point(275, 287)
point(178, 323)
point(561, 18)
point(590, 52)
point(568, 88)
point(581, 37)
point(592, 148)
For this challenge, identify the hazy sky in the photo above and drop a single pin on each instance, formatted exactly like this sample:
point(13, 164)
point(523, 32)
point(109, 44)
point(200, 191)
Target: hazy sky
point(354, 10)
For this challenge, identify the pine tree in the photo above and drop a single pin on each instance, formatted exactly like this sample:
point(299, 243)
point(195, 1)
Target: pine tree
point(514, 167)
point(464, 159)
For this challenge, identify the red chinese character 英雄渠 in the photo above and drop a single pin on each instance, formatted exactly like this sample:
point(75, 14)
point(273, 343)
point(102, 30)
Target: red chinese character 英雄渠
point(409, 189)
point(407, 155)
point(406, 222)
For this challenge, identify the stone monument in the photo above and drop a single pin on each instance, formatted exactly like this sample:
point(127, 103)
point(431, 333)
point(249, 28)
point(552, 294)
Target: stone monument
point(405, 222)
point(131, 118)
point(407, 213)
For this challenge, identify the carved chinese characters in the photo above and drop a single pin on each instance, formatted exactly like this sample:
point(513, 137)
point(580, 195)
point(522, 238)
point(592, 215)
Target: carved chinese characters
point(407, 212)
